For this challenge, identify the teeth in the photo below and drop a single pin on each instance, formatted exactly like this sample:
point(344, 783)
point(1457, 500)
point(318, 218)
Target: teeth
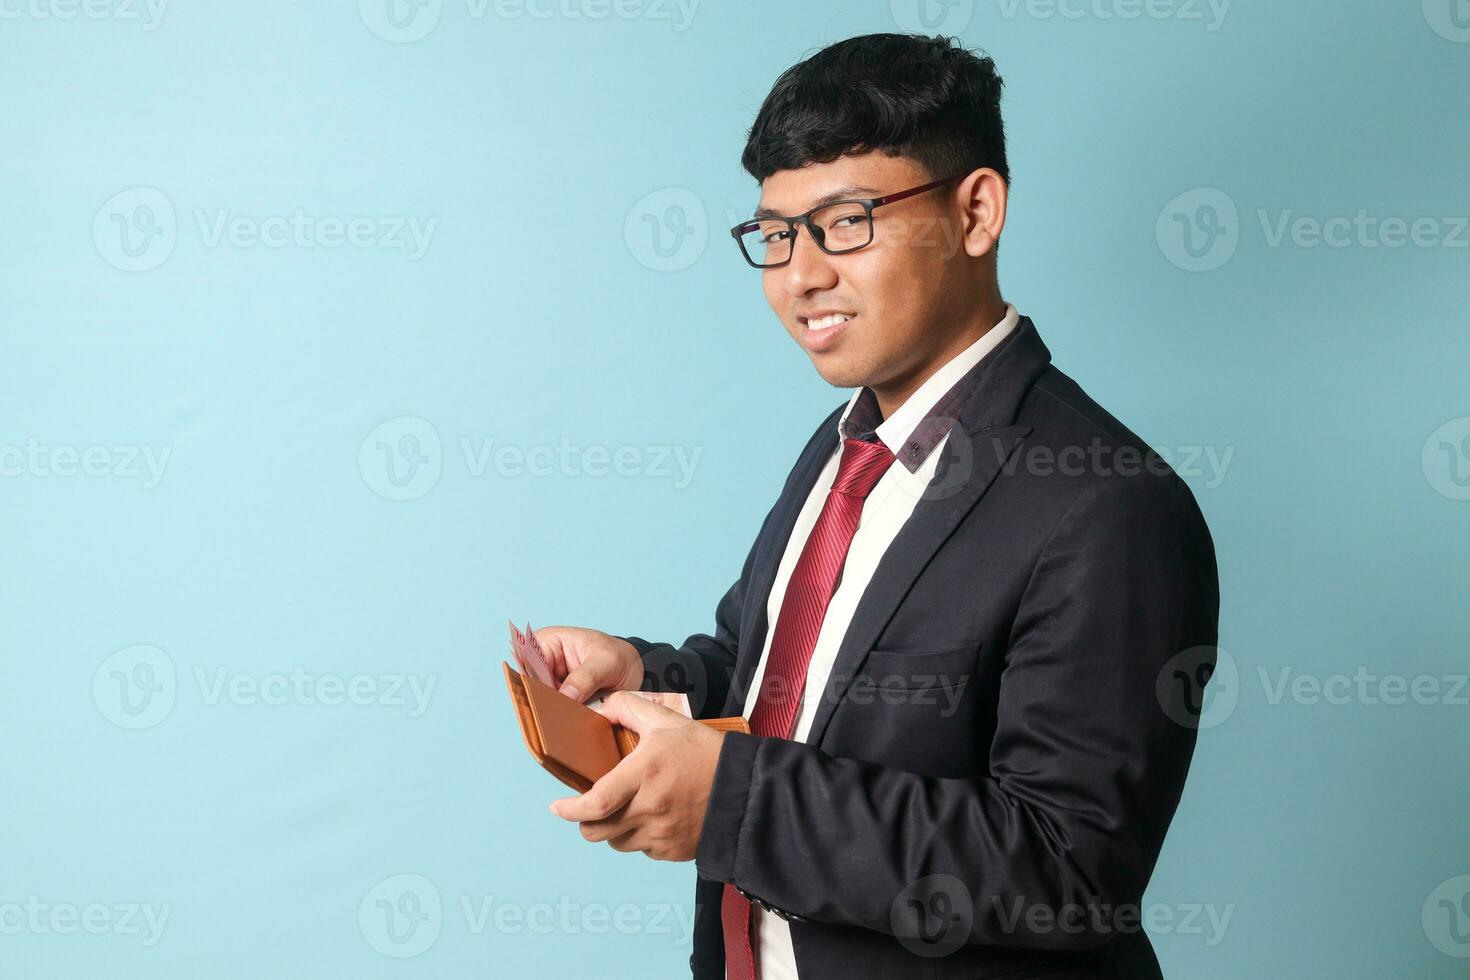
point(821, 323)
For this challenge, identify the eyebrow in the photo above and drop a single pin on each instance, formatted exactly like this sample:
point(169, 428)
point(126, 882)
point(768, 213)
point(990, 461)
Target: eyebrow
point(840, 194)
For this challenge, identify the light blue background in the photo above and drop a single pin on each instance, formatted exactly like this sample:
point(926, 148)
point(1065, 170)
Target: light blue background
point(541, 310)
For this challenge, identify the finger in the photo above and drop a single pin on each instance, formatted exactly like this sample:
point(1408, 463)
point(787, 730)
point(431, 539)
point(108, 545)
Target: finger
point(606, 797)
point(553, 651)
point(638, 714)
point(628, 842)
point(582, 682)
point(620, 824)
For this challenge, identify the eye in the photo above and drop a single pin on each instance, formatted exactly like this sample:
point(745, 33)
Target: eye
point(846, 222)
point(774, 236)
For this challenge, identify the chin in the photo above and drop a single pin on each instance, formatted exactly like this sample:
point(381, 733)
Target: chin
point(837, 373)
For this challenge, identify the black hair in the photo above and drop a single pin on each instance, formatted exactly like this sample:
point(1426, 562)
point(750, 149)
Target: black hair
point(926, 98)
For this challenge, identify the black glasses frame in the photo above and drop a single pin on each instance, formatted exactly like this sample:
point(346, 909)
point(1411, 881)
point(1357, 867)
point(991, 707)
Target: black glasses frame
point(795, 221)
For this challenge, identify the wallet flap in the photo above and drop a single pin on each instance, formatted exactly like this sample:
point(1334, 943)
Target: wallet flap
point(571, 734)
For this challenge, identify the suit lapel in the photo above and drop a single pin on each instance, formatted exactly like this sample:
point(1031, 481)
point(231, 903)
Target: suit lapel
point(931, 524)
point(981, 442)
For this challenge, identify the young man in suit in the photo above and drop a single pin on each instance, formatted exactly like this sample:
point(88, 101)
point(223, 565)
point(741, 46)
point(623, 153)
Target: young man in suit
point(971, 630)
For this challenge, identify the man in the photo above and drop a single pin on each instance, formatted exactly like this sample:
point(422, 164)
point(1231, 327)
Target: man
point(966, 634)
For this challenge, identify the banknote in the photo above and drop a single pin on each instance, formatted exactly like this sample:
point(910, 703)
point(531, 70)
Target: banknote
point(528, 654)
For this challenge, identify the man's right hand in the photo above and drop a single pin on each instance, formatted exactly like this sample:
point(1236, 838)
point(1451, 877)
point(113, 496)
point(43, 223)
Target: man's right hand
point(586, 662)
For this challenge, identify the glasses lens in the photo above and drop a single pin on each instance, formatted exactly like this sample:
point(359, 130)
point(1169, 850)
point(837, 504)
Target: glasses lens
point(766, 242)
point(844, 226)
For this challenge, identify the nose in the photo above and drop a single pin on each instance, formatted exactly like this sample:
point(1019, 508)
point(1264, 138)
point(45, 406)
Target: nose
point(810, 268)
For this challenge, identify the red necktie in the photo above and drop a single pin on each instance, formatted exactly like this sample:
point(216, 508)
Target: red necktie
point(800, 621)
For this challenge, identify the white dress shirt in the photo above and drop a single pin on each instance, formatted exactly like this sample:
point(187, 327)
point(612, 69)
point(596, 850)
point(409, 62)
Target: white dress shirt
point(884, 513)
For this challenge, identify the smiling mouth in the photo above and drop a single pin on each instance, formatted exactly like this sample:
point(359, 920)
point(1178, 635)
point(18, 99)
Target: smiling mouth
point(823, 322)
point(822, 334)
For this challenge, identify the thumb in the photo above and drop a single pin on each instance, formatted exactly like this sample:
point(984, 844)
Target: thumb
point(581, 683)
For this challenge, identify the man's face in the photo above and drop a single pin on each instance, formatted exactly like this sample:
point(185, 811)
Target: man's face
point(894, 290)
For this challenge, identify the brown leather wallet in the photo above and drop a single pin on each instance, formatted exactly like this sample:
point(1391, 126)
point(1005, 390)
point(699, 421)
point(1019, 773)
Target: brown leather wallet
point(570, 740)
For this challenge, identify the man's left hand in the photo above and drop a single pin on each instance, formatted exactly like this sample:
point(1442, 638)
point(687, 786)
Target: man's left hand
point(654, 800)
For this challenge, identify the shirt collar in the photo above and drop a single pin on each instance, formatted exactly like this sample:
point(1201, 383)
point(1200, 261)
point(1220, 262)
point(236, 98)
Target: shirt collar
point(918, 425)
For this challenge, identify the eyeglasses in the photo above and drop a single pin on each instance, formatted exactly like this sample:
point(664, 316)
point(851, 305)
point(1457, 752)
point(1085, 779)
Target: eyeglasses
point(837, 228)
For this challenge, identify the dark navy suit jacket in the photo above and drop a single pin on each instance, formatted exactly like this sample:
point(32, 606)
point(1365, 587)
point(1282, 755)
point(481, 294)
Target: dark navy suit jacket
point(1005, 736)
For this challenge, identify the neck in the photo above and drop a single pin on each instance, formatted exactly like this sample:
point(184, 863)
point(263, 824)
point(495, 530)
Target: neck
point(892, 394)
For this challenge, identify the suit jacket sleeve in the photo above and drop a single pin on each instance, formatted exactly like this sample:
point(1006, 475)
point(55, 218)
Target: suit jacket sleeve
point(1086, 767)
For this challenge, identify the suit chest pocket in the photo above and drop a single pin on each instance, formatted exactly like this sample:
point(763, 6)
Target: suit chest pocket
point(950, 668)
point(916, 710)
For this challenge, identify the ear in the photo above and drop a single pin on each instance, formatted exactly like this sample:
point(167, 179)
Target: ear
point(982, 196)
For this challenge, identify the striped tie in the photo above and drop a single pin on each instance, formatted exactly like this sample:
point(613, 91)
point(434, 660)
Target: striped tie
point(800, 621)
